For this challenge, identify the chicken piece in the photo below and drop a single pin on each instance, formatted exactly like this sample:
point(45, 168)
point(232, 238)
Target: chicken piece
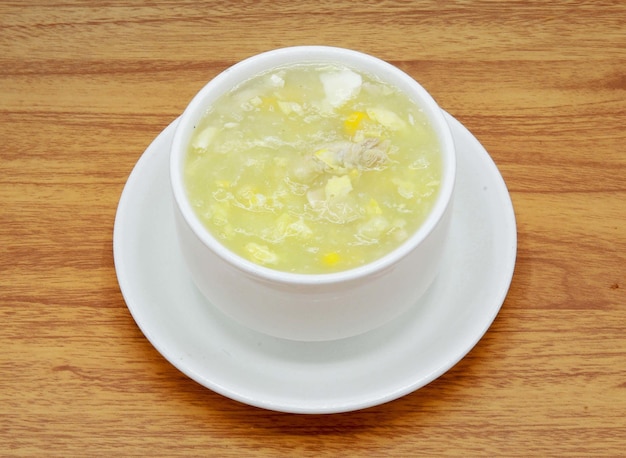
point(369, 154)
point(306, 169)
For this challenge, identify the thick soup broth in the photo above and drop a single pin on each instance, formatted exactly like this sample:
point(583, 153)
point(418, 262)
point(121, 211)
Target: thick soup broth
point(313, 168)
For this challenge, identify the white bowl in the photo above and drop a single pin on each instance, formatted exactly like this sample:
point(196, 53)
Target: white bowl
point(312, 307)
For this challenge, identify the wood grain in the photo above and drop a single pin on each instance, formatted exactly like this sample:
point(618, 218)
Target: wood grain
point(86, 86)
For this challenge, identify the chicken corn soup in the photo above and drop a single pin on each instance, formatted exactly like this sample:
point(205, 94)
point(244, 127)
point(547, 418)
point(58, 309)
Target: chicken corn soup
point(313, 168)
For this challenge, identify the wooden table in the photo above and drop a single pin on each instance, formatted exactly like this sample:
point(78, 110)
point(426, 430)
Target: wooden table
point(85, 88)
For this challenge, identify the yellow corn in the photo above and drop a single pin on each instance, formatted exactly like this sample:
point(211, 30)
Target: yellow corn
point(331, 259)
point(373, 208)
point(353, 121)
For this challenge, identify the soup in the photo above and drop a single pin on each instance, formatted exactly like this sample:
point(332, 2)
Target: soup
point(313, 168)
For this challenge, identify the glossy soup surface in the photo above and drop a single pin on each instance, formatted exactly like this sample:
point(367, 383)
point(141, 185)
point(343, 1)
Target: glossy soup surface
point(313, 169)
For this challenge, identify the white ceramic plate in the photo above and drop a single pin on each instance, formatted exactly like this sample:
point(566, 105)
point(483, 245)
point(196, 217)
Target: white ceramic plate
point(317, 377)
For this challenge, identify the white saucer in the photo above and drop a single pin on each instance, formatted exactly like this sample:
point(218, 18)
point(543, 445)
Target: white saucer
point(326, 377)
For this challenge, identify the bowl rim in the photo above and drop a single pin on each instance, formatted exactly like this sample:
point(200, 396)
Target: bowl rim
point(265, 61)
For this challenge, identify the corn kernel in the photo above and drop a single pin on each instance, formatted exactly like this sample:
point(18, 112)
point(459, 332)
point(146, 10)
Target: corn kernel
point(331, 259)
point(373, 208)
point(352, 122)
